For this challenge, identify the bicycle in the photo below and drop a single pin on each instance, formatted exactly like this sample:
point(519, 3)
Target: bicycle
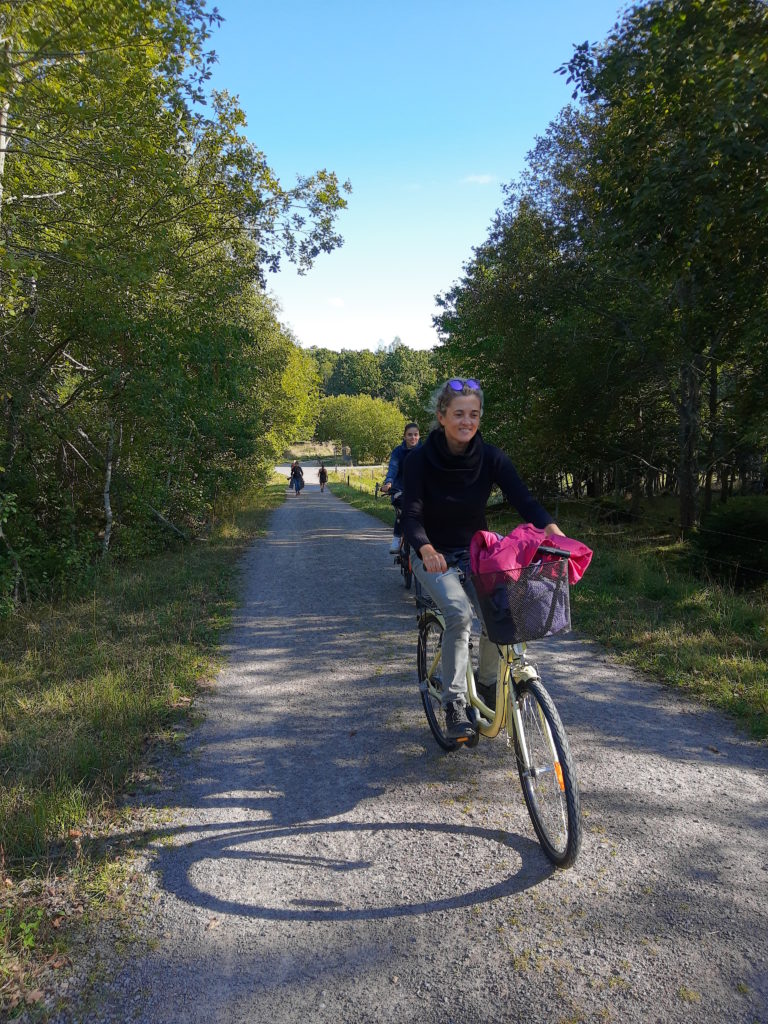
point(403, 555)
point(523, 707)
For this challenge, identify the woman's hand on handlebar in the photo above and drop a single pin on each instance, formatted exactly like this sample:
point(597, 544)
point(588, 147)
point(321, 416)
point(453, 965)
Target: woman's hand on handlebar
point(385, 488)
point(553, 530)
point(433, 560)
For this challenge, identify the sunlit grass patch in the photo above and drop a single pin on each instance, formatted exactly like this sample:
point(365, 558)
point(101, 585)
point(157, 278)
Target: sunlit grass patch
point(364, 499)
point(695, 634)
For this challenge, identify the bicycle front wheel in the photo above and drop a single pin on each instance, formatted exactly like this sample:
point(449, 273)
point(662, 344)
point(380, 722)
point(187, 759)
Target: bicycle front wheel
point(547, 774)
point(405, 565)
point(429, 661)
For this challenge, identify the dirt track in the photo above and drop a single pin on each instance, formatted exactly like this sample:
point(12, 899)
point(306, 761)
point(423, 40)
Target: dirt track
point(322, 860)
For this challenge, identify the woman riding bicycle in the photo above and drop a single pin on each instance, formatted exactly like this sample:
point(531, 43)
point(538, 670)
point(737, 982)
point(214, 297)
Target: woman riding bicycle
point(393, 481)
point(447, 482)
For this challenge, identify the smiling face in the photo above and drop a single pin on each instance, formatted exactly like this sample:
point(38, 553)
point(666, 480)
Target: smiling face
point(460, 421)
point(411, 437)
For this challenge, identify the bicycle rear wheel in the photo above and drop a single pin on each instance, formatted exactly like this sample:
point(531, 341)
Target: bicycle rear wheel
point(429, 658)
point(547, 774)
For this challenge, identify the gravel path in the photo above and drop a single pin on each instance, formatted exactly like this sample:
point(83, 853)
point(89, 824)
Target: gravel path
point(323, 860)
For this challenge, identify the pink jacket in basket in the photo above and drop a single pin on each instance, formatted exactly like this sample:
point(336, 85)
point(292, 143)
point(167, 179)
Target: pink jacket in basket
point(489, 553)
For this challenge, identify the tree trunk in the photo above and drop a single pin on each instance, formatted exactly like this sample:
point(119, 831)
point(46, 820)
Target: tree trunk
point(713, 434)
point(689, 433)
point(5, 106)
point(19, 583)
point(107, 485)
point(636, 483)
point(597, 477)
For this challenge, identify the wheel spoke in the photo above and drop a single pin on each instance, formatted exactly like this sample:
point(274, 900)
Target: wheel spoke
point(430, 679)
point(547, 775)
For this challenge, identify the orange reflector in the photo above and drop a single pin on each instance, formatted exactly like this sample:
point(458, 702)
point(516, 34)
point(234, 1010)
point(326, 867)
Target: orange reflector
point(559, 774)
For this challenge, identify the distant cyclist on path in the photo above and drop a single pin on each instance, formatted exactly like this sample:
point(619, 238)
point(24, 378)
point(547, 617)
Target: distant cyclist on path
point(393, 481)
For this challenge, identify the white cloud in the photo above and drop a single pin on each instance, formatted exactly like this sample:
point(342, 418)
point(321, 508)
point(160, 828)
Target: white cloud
point(479, 179)
point(336, 302)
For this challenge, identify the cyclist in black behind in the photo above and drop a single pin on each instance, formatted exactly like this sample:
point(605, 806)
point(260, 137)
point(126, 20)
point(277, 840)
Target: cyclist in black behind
point(447, 482)
point(393, 481)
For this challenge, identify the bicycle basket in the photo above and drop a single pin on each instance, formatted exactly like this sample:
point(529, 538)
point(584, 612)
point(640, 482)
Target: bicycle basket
point(526, 603)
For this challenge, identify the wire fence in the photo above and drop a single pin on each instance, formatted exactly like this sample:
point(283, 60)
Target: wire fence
point(594, 510)
point(598, 511)
point(593, 506)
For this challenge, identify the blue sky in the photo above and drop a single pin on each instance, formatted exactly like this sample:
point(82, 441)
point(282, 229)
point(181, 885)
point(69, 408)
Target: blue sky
point(427, 107)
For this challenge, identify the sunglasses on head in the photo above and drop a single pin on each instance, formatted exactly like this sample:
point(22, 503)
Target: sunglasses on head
point(458, 384)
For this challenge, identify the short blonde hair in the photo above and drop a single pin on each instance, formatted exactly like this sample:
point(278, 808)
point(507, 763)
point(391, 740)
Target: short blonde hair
point(445, 394)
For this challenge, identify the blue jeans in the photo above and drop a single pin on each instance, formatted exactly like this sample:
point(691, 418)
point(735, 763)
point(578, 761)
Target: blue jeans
point(458, 607)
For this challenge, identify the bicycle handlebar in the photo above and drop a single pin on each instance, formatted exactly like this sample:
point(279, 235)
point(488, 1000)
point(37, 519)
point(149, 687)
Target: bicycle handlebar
point(548, 550)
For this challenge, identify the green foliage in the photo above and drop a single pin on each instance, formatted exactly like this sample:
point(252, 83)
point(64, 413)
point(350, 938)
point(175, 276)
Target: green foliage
point(407, 376)
point(145, 374)
point(370, 427)
point(393, 372)
point(618, 310)
point(325, 362)
point(732, 540)
point(355, 373)
point(300, 386)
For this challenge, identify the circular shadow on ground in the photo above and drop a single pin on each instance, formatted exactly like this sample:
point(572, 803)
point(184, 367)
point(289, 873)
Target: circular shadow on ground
point(304, 872)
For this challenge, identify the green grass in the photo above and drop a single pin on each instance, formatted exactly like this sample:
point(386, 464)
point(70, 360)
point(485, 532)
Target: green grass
point(360, 494)
point(86, 687)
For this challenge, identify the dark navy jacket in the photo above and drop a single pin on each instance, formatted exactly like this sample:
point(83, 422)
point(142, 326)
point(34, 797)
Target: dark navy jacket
point(445, 495)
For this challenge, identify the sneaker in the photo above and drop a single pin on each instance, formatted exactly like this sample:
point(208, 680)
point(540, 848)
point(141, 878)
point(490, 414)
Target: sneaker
point(394, 546)
point(457, 724)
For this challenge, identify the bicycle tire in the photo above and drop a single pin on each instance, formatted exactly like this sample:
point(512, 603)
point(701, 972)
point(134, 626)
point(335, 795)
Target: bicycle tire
point(405, 565)
point(428, 650)
point(550, 788)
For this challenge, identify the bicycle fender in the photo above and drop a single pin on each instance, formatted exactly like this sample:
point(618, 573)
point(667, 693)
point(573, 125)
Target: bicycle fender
point(527, 672)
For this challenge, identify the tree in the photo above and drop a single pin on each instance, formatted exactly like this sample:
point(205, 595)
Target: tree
point(355, 373)
point(300, 390)
point(141, 362)
point(406, 374)
point(370, 426)
point(625, 277)
point(325, 360)
point(678, 92)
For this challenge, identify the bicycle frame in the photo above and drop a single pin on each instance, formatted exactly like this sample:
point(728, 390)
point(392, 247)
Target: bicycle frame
point(513, 668)
point(523, 708)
